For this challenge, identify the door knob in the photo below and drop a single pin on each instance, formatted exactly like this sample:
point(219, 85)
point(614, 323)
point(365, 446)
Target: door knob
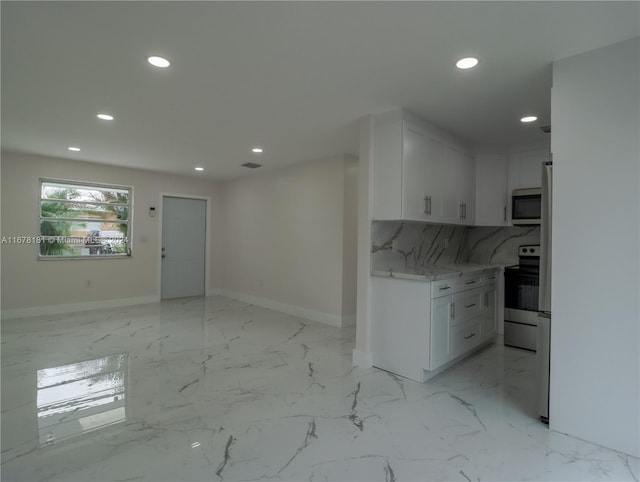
point(163, 256)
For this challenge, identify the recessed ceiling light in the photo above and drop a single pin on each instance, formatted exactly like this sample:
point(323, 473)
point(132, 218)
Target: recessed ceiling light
point(199, 168)
point(158, 61)
point(467, 63)
point(257, 150)
point(251, 165)
point(105, 116)
point(529, 118)
point(74, 149)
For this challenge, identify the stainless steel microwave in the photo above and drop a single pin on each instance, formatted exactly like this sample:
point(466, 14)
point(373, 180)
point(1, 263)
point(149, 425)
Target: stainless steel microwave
point(526, 206)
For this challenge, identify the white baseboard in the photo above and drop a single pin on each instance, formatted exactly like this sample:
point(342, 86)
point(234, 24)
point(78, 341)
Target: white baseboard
point(75, 307)
point(326, 318)
point(362, 359)
point(333, 320)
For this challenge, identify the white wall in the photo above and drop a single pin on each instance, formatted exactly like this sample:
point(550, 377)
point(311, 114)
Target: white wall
point(595, 329)
point(362, 355)
point(350, 241)
point(284, 237)
point(29, 285)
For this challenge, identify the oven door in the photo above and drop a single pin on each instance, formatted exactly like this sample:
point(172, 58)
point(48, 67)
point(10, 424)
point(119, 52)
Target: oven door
point(521, 289)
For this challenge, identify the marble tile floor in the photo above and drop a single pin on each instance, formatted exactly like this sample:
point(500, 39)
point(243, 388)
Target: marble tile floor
point(218, 390)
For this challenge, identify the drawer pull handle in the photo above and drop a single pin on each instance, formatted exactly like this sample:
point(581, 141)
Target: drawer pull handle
point(442, 288)
point(469, 306)
point(471, 282)
point(470, 336)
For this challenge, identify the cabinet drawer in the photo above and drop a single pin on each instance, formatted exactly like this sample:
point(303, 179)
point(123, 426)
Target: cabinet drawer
point(466, 305)
point(442, 287)
point(468, 282)
point(464, 337)
point(490, 278)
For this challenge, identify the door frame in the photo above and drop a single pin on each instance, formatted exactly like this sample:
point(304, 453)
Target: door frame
point(207, 250)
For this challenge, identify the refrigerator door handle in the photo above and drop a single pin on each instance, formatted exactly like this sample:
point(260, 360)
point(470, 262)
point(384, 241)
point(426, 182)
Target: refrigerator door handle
point(543, 352)
point(544, 300)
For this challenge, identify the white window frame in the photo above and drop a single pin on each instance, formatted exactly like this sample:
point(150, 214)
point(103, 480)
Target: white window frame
point(87, 185)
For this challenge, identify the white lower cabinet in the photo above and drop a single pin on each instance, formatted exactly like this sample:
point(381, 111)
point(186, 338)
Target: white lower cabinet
point(467, 305)
point(420, 328)
point(440, 332)
point(464, 337)
point(489, 312)
point(400, 329)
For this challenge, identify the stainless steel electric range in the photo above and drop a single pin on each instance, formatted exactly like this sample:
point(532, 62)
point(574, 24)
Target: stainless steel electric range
point(521, 286)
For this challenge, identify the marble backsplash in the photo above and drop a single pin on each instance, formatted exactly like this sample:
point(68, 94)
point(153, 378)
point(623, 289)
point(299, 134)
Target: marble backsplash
point(398, 244)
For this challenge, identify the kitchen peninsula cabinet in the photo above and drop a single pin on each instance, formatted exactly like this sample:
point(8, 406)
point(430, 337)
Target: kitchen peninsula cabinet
point(423, 325)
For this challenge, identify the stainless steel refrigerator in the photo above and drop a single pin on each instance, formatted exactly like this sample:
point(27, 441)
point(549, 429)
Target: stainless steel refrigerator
point(543, 349)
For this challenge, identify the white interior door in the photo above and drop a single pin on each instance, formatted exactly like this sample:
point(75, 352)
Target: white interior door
point(184, 227)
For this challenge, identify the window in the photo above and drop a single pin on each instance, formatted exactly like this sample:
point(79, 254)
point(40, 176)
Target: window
point(84, 220)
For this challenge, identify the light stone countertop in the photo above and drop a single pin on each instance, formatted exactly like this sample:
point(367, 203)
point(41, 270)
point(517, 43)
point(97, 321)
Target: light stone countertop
point(433, 272)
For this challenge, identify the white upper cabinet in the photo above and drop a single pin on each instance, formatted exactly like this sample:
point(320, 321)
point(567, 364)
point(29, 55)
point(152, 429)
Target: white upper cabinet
point(420, 173)
point(498, 173)
point(454, 165)
point(416, 202)
point(491, 190)
point(434, 186)
point(423, 170)
point(468, 189)
point(459, 184)
point(525, 169)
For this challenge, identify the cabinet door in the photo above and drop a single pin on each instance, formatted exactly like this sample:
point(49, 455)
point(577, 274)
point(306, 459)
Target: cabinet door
point(414, 174)
point(525, 168)
point(489, 313)
point(458, 186)
point(440, 331)
point(468, 188)
point(434, 187)
point(491, 190)
point(453, 173)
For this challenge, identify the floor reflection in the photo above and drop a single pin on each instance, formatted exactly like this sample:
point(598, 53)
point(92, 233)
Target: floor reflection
point(217, 389)
point(81, 397)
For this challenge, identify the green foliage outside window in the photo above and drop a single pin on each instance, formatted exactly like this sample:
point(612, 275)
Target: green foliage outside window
point(84, 220)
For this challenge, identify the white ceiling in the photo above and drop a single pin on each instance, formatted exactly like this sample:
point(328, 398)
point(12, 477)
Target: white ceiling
point(291, 77)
